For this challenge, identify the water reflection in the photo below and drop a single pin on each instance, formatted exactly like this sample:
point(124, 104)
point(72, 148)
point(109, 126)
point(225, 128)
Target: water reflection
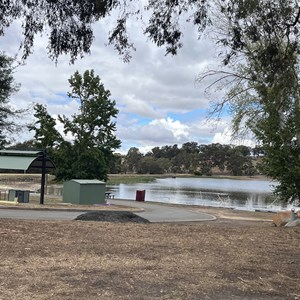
point(243, 194)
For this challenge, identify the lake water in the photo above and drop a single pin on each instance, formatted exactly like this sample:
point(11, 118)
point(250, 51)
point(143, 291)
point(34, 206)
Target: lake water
point(238, 194)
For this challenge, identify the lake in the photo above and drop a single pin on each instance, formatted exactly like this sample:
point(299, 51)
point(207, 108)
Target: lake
point(238, 194)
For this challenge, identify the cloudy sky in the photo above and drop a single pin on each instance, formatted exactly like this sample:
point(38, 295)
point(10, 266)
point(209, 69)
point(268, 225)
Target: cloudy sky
point(158, 98)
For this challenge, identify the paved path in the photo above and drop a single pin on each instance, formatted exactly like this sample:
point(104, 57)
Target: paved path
point(152, 212)
point(162, 213)
point(33, 214)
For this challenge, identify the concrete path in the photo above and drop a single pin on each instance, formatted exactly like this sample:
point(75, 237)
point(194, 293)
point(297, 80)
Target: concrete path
point(152, 211)
point(33, 214)
point(163, 213)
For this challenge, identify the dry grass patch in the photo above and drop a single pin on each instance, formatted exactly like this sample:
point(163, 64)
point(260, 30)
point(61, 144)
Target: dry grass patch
point(93, 260)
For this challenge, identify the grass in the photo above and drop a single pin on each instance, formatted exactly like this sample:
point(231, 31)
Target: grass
point(125, 261)
point(116, 179)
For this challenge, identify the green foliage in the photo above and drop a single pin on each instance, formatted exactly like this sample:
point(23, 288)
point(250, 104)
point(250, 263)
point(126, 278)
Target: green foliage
point(7, 88)
point(191, 158)
point(89, 155)
point(69, 24)
point(130, 179)
point(263, 52)
point(213, 155)
point(132, 160)
point(46, 135)
point(115, 164)
point(149, 165)
point(26, 145)
point(198, 173)
point(206, 167)
point(93, 126)
point(83, 163)
point(237, 161)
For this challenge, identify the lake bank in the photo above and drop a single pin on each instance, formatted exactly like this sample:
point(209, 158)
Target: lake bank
point(144, 178)
point(122, 178)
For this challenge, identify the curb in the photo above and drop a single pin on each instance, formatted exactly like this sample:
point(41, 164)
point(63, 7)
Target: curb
point(66, 209)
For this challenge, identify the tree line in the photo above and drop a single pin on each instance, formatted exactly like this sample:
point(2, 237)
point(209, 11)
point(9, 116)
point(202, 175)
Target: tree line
point(191, 158)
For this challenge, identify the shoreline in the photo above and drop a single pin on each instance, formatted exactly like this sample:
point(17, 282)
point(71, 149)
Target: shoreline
point(55, 202)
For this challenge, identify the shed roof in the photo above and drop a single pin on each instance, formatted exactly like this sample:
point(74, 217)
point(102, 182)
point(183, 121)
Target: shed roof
point(23, 160)
point(87, 181)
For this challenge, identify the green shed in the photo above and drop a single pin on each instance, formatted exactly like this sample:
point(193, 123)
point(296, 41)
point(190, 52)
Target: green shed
point(84, 191)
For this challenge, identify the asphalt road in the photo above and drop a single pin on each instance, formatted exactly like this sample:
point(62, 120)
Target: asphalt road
point(163, 213)
point(34, 214)
point(152, 212)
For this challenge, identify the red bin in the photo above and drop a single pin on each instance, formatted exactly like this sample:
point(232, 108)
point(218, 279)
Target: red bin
point(140, 195)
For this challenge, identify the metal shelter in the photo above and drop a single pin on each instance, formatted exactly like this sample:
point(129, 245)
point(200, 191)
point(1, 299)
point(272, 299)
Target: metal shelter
point(28, 162)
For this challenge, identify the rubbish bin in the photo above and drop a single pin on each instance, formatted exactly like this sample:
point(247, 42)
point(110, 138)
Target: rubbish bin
point(22, 196)
point(11, 195)
point(140, 195)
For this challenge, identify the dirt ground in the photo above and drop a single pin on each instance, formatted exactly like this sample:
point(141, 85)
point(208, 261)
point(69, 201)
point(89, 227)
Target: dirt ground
point(233, 257)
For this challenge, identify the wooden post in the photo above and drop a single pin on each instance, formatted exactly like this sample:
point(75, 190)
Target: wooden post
point(43, 176)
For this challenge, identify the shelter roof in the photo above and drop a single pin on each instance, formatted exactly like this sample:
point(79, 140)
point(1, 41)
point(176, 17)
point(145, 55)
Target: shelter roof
point(23, 160)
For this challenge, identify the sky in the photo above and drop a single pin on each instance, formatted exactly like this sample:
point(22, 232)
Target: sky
point(159, 100)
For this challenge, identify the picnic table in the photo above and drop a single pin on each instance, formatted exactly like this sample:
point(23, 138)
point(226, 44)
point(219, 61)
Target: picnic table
point(109, 195)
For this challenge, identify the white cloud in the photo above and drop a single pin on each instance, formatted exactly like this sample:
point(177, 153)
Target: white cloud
point(179, 130)
point(226, 137)
point(148, 91)
point(67, 109)
point(158, 132)
point(139, 107)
